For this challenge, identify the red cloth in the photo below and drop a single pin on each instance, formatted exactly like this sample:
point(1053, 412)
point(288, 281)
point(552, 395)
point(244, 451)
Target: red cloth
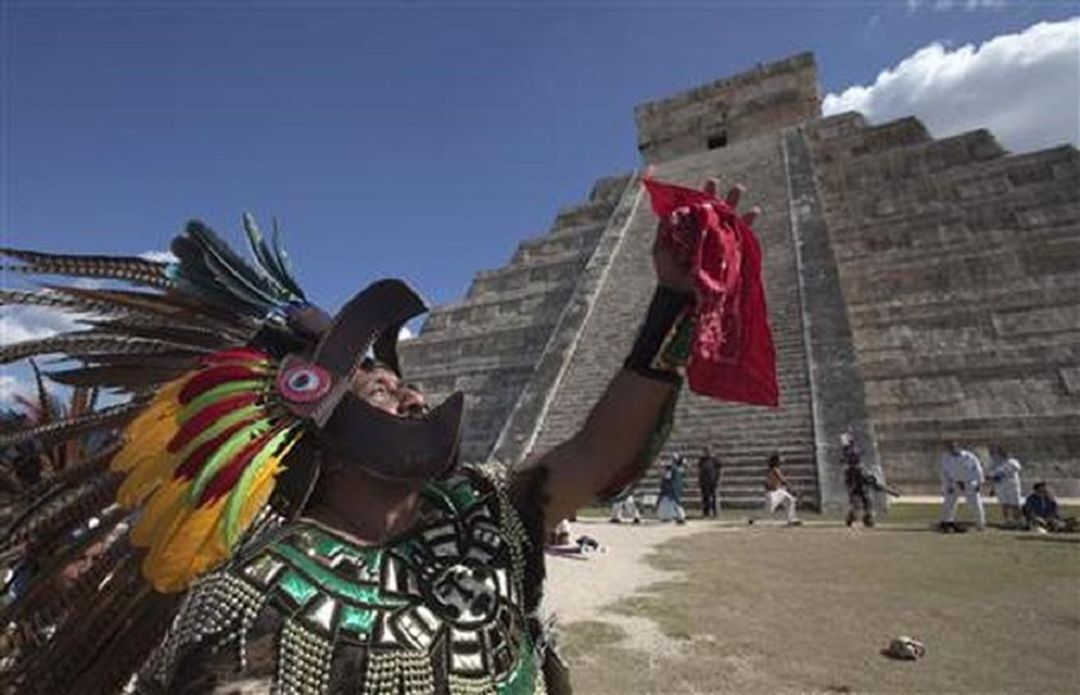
point(732, 356)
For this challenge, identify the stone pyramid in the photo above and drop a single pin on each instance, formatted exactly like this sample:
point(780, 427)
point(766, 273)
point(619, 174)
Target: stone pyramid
point(918, 289)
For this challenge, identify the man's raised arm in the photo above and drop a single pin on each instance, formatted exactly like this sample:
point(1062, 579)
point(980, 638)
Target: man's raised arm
point(628, 425)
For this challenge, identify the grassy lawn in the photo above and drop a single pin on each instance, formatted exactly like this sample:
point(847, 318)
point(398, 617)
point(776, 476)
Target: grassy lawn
point(770, 609)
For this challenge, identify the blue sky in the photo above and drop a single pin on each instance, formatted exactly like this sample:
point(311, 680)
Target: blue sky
point(413, 139)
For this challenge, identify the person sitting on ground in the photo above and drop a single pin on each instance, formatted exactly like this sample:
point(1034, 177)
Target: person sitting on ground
point(778, 492)
point(1041, 512)
point(1005, 474)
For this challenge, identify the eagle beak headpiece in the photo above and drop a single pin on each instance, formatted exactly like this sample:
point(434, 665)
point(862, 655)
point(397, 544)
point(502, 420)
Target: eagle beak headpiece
point(247, 429)
point(389, 446)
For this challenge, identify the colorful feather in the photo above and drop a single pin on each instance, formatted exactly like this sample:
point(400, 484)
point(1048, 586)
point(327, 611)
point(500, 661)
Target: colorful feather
point(216, 394)
point(207, 442)
point(231, 447)
point(225, 480)
point(209, 415)
point(217, 375)
point(241, 355)
point(252, 490)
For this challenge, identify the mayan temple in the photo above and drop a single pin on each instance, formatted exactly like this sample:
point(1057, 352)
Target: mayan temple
point(919, 288)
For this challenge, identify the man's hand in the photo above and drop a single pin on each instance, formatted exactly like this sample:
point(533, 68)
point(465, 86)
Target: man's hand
point(618, 428)
point(673, 266)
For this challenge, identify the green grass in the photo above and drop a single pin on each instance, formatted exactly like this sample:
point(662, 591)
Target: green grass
point(773, 610)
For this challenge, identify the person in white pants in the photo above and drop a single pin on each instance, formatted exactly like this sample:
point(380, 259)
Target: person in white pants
point(1005, 474)
point(777, 492)
point(961, 474)
point(624, 508)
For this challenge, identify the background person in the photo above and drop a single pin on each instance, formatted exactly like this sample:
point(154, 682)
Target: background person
point(778, 492)
point(961, 474)
point(669, 506)
point(1005, 475)
point(708, 477)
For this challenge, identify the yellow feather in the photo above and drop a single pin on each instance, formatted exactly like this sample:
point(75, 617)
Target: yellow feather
point(153, 471)
point(150, 425)
point(188, 551)
point(184, 542)
point(164, 505)
point(260, 494)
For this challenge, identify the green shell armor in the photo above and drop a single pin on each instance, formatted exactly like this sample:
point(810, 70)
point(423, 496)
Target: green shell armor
point(438, 609)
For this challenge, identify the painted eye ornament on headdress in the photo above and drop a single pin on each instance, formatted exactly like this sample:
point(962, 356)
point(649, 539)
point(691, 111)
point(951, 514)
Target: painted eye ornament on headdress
point(304, 383)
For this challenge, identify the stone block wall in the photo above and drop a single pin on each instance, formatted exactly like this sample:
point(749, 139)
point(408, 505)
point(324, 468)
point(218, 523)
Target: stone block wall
point(743, 436)
point(487, 345)
point(961, 269)
point(918, 289)
point(758, 101)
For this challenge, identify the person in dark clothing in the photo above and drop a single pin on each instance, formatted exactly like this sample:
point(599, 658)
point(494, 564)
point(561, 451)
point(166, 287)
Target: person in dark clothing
point(708, 477)
point(1041, 511)
point(860, 483)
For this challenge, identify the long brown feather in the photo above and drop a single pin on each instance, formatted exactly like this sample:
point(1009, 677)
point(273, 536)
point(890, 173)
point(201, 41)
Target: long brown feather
point(171, 303)
point(80, 342)
point(55, 300)
point(186, 335)
point(61, 508)
point(124, 377)
point(61, 430)
point(128, 268)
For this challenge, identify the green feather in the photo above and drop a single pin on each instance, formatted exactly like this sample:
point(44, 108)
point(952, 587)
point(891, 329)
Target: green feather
point(223, 455)
point(238, 415)
point(216, 394)
point(242, 489)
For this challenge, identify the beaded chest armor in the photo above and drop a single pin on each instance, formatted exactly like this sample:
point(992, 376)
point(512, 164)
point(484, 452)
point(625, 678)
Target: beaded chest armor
point(439, 609)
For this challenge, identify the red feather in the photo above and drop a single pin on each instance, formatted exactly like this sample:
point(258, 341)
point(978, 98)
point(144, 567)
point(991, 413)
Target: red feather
point(207, 417)
point(195, 460)
point(236, 355)
point(215, 376)
point(227, 477)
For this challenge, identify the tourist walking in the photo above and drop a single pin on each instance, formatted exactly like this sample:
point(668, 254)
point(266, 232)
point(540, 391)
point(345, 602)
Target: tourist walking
point(1004, 473)
point(669, 507)
point(961, 474)
point(708, 476)
point(778, 492)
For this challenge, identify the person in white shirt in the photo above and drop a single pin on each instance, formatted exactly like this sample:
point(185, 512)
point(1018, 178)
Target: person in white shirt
point(625, 507)
point(961, 474)
point(1005, 474)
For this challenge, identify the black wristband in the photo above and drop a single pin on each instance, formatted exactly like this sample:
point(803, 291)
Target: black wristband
point(662, 343)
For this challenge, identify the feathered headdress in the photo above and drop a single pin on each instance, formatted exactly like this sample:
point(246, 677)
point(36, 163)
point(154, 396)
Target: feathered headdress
point(236, 384)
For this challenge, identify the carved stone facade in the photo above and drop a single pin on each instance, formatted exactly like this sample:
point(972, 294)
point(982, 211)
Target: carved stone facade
point(919, 289)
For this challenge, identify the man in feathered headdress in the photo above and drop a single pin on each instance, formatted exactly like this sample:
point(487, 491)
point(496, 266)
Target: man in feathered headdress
point(299, 522)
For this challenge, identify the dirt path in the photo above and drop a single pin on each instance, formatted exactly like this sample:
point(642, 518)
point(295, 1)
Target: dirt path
point(578, 589)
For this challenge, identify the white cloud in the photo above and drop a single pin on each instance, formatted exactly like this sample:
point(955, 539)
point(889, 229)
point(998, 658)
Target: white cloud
point(159, 256)
point(405, 334)
point(21, 323)
point(948, 5)
point(1024, 87)
point(10, 386)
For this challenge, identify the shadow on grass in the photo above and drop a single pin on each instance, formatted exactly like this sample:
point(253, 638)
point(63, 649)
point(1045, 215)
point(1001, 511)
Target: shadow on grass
point(1075, 540)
